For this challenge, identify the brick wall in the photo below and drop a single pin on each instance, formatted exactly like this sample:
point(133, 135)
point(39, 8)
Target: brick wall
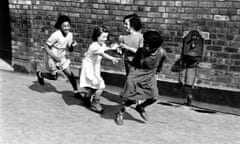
point(32, 22)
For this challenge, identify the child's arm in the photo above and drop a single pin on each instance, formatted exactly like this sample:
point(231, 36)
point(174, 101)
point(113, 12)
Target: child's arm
point(127, 47)
point(114, 46)
point(113, 59)
point(107, 56)
point(163, 59)
point(101, 51)
point(134, 50)
point(72, 45)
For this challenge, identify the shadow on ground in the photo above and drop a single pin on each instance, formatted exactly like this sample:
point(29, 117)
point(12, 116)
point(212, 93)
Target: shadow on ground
point(46, 88)
point(111, 110)
point(197, 109)
point(67, 96)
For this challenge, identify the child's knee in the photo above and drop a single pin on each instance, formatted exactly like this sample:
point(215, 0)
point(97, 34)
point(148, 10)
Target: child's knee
point(55, 77)
point(129, 102)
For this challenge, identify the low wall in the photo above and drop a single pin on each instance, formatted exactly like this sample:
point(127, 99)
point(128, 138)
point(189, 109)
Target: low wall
point(223, 100)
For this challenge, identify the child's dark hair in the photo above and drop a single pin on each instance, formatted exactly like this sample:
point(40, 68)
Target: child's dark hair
point(134, 21)
point(61, 19)
point(98, 31)
point(152, 39)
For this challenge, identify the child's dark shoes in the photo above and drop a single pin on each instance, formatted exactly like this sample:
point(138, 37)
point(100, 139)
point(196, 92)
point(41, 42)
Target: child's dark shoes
point(96, 106)
point(142, 112)
point(40, 79)
point(119, 118)
point(78, 95)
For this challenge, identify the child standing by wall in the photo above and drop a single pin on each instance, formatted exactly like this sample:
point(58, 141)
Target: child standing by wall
point(90, 77)
point(56, 46)
point(134, 40)
point(141, 82)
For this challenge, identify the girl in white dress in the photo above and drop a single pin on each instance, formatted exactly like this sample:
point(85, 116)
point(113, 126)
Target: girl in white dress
point(90, 77)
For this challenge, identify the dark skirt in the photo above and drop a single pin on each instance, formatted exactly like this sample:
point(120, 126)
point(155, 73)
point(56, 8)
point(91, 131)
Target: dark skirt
point(140, 85)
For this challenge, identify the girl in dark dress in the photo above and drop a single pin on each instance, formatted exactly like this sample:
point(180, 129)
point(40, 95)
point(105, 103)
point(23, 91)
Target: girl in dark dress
point(141, 83)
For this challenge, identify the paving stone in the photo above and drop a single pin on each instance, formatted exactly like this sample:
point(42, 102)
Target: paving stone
point(35, 114)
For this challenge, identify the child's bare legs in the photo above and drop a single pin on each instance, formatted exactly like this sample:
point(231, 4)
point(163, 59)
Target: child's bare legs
point(71, 78)
point(47, 75)
point(92, 99)
point(54, 76)
point(95, 104)
point(88, 97)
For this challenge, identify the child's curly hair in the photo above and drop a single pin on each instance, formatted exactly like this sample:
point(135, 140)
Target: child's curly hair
point(152, 39)
point(134, 20)
point(61, 19)
point(98, 31)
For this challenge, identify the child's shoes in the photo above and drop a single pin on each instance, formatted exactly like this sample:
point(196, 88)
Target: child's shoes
point(119, 118)
point(40, 79)
point(79, 95)
point(142, 112)
point(96, 106)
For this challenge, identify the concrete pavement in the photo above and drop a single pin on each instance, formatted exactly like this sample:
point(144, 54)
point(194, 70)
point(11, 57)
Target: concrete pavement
point(35, 114)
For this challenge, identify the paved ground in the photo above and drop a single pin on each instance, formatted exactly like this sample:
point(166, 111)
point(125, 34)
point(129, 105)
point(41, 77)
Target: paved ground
point(33, 114)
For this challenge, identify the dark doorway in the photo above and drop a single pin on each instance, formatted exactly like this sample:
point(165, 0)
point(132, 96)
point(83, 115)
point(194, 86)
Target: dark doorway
point(5, 32)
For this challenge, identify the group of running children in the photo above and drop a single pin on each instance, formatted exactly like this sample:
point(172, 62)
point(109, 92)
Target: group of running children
point(143, 57)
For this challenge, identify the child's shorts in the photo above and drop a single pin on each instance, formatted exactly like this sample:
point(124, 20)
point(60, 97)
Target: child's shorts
point(54, 67)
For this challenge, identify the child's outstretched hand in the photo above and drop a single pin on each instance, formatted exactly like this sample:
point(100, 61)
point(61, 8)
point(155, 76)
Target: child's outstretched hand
point(114, 46)
point(115, 60)
point(119, 50)
point(73, 45)
point(123, 45)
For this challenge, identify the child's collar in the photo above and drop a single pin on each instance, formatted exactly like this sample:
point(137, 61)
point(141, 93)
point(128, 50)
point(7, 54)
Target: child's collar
point(100, 43)
point(156, 51)
point(133, 32)
point(64, 35)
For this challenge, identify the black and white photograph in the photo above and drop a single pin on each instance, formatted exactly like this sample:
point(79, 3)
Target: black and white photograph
point(120, 72)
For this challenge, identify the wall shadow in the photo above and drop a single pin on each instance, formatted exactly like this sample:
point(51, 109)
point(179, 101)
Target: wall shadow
point(5, 33)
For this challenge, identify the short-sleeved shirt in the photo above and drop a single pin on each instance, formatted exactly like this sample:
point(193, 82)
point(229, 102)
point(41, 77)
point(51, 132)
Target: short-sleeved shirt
point(93, 52)
point(59, 43)
point(133, 40)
